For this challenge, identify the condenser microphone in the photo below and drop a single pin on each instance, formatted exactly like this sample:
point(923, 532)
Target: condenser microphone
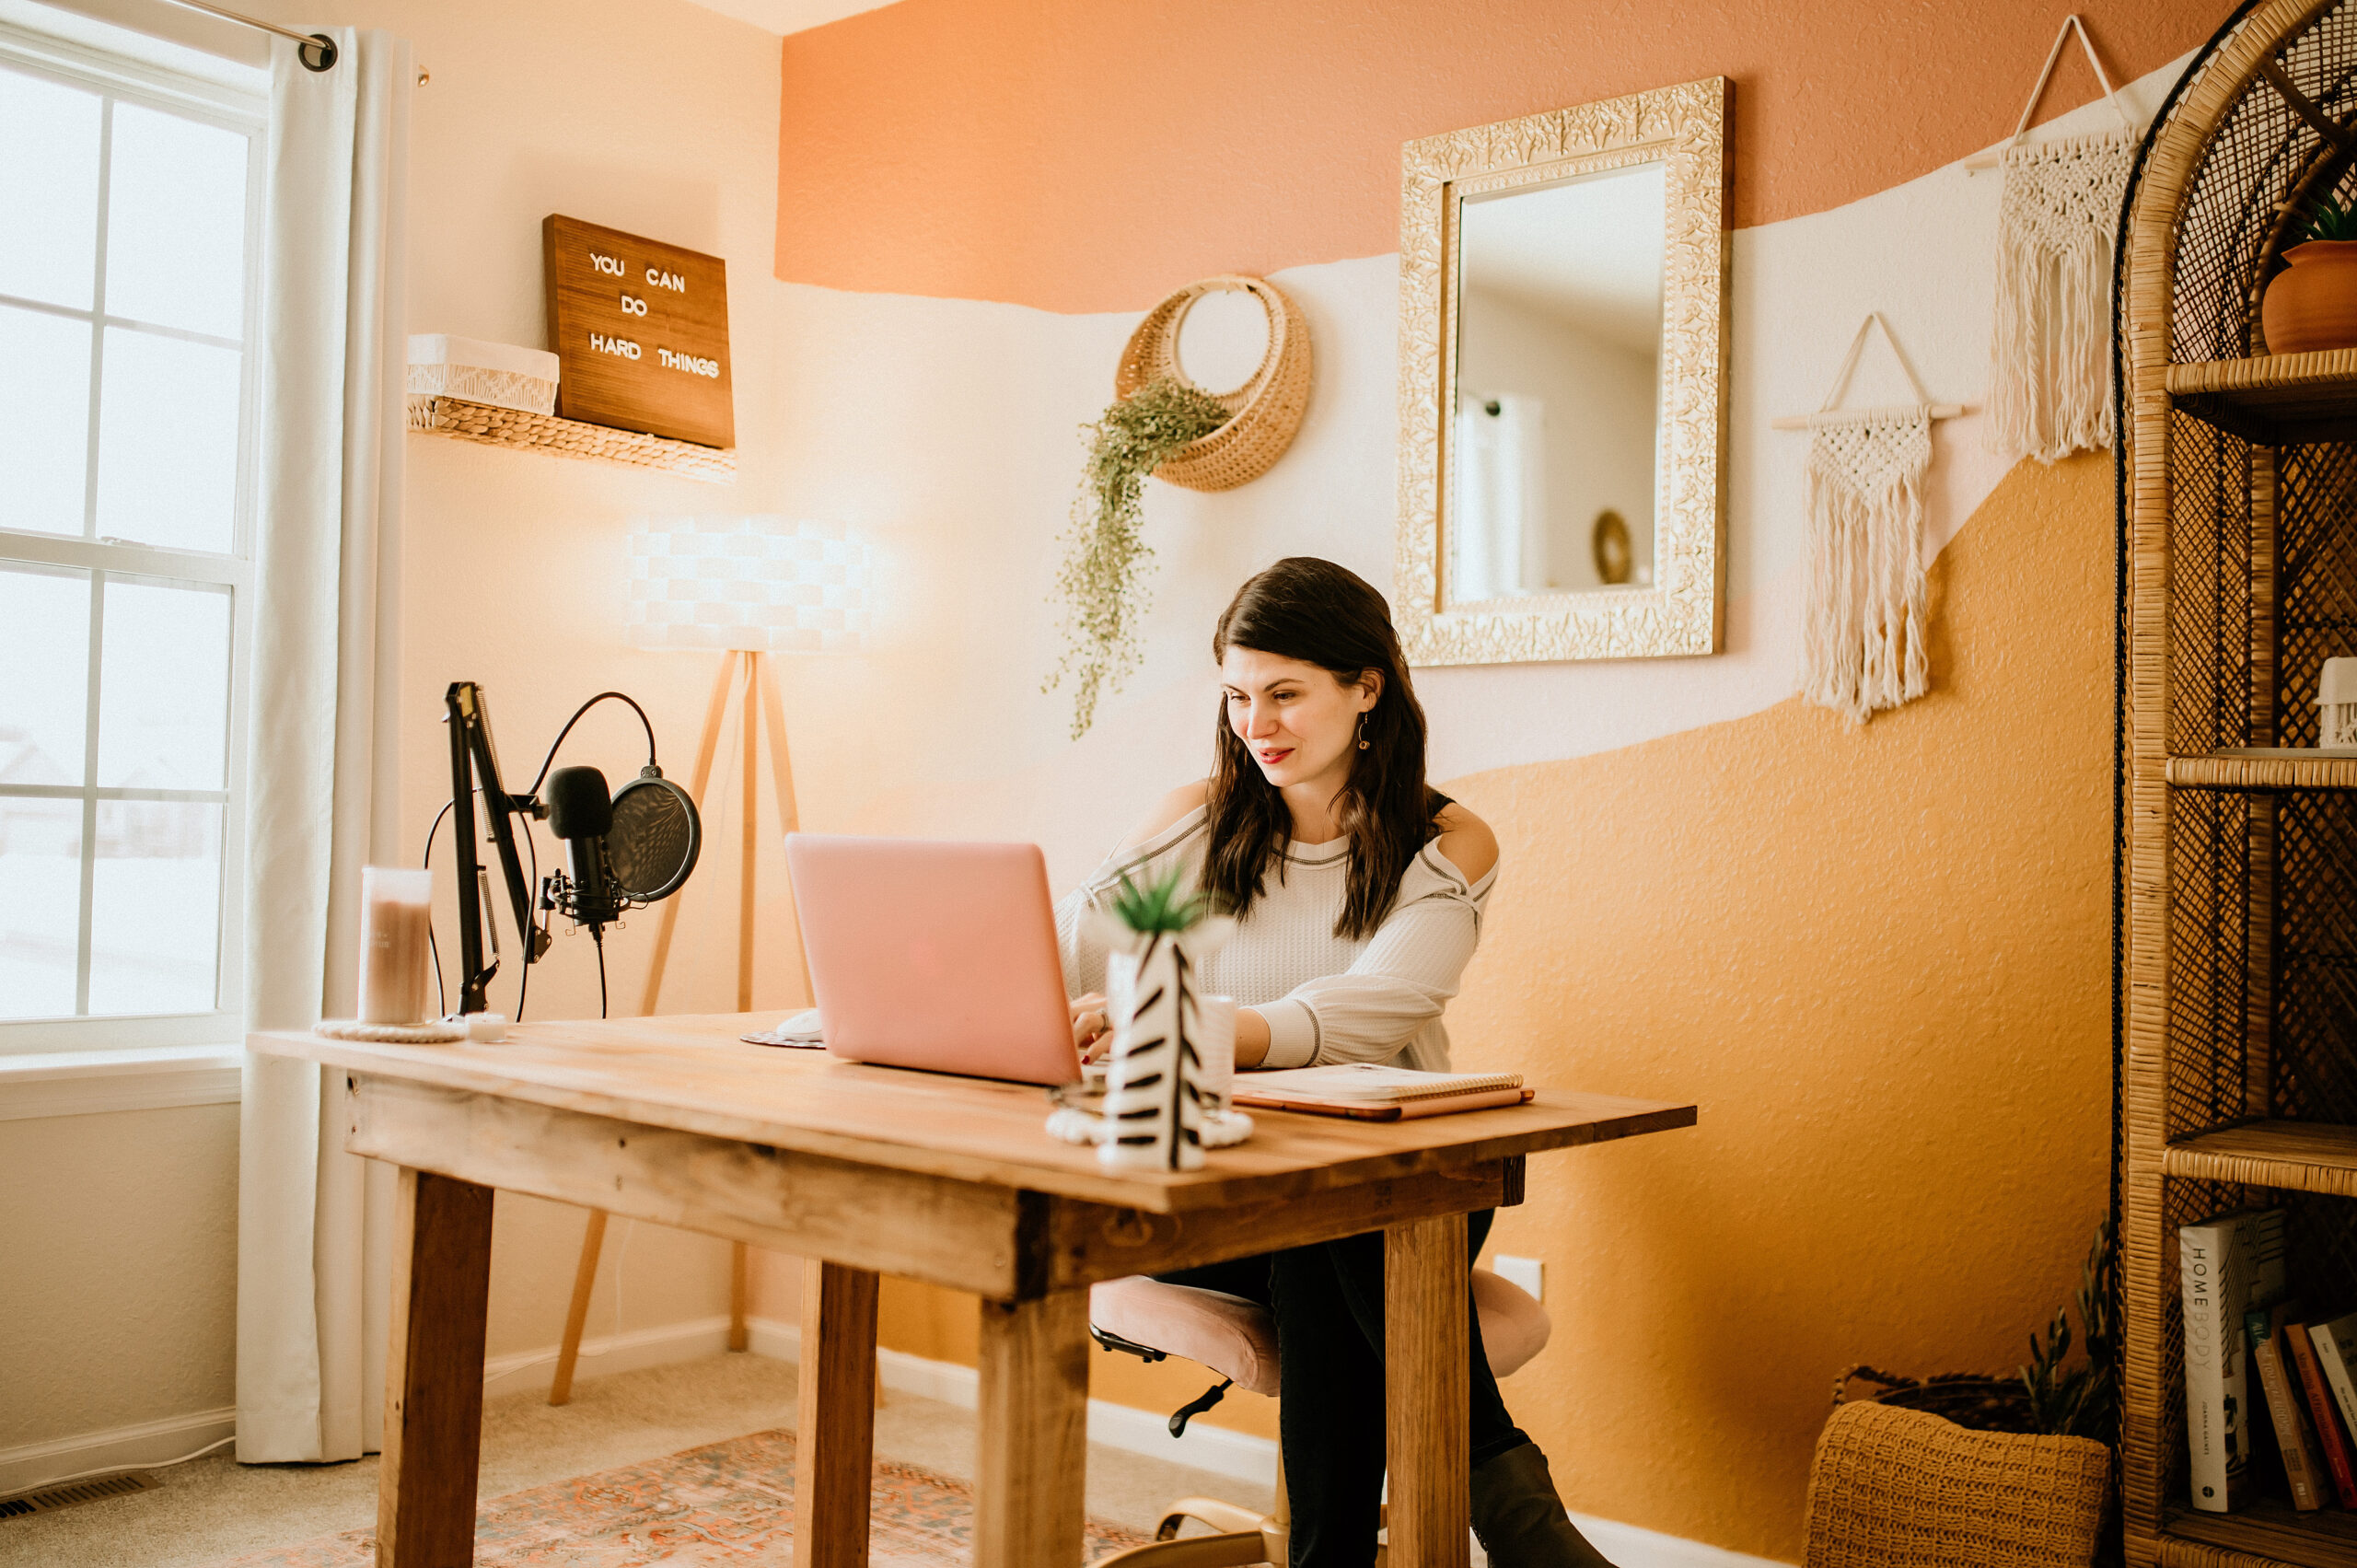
point(582, 814)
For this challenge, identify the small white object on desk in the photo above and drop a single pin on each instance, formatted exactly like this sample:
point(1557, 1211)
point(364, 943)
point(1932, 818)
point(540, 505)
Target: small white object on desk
point(484, 1028)
point(2337, 705)
point(800, 1030)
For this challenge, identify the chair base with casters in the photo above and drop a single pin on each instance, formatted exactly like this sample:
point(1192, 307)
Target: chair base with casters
point(1237, 1339)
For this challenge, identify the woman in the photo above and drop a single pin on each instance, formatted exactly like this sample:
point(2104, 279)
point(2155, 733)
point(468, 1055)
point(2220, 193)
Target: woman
point(1358, 893)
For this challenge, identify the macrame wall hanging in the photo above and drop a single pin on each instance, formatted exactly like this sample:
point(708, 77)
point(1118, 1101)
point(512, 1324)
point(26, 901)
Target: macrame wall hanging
point(2050, 391)
point(1862, 642)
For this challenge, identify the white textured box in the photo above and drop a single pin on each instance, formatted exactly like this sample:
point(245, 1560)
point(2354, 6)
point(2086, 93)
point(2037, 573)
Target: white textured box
point(501, 374)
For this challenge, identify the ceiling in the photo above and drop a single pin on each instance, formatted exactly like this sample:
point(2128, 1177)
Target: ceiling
point(791, 16)
point(1587, 252)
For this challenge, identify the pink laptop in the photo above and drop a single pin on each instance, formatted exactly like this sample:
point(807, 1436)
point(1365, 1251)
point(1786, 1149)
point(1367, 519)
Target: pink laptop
point(939, 955)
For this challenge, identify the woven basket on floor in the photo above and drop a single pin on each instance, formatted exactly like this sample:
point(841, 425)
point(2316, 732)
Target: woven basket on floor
point(1264, 412)
point(1903, 1489)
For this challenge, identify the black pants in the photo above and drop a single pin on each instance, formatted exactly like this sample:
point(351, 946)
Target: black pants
point(1328, 1301)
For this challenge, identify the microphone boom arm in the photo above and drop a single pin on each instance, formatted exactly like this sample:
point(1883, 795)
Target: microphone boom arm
point(472, 752)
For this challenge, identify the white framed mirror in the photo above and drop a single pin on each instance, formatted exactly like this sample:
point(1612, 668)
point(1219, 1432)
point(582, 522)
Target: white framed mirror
point(1563, 311)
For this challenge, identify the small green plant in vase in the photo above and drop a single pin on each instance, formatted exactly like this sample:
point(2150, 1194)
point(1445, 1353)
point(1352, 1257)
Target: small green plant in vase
point(1103, 580)
point(1160, 934)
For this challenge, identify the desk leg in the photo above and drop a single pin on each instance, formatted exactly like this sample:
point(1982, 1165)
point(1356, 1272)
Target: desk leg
point(1425, 1358)
point(425, 1482)
point(835, 1437)
point(1034, 1458)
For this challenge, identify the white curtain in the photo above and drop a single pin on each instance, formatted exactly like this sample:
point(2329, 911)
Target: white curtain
point(314, 1264)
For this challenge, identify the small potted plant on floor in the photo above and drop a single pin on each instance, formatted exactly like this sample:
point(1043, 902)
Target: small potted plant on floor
point(2311, 304)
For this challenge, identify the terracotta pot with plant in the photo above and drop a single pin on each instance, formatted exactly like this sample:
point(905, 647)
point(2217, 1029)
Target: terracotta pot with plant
point(2311, 304)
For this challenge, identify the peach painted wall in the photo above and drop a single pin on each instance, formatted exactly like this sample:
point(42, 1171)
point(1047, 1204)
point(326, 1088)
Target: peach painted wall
point(1078, 156)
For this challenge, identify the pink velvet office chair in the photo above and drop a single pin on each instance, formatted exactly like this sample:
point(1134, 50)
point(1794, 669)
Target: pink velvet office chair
point(1237, 1339)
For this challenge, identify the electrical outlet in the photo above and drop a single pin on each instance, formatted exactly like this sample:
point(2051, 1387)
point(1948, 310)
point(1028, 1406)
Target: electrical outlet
point(1530, 1274)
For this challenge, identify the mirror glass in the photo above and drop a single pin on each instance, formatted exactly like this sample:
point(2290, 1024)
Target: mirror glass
point(1554, 433)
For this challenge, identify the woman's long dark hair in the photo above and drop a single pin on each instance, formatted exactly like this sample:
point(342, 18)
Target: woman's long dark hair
point(1313, 611)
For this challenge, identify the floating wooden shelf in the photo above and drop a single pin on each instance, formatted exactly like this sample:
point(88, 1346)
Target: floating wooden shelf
point(2305, 1156)
point(2279, 400)
point(568, 438)
point(2265, 1531)
point(2276, 768)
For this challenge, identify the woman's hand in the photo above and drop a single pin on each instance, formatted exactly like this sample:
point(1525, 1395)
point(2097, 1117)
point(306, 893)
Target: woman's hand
point(1092, 1027)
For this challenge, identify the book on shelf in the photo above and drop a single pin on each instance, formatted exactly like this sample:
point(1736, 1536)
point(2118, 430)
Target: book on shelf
point(2332, 1434)
point(2335, 1344)
point(2227, 1263)
point(2294, 1435)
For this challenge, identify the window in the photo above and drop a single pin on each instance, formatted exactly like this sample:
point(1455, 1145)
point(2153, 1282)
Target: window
point(128, 270)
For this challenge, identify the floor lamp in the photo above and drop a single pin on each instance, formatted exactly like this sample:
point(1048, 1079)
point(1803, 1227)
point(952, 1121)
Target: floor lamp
point(747, 587)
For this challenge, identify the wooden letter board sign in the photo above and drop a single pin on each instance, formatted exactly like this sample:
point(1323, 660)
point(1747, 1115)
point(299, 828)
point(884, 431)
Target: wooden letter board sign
point(640, 331)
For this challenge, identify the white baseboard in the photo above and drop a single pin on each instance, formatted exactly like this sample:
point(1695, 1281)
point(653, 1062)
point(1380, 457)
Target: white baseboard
point(604, 1353)
point(1631, 1547)
point(148, 1443)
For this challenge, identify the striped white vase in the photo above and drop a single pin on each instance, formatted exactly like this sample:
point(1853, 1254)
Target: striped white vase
point(1153, 1087)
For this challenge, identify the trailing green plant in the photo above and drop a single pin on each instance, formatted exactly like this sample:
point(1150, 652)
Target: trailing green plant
point(2331, 220)
point(2081, 1401)
point(1160, 906)
point(1103, 580)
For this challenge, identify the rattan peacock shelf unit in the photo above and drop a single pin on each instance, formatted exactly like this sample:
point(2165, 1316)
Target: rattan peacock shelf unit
point(2237, 947)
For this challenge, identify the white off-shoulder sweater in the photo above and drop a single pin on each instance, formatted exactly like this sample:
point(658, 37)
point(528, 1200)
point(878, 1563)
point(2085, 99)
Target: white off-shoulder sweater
point(1327, 998)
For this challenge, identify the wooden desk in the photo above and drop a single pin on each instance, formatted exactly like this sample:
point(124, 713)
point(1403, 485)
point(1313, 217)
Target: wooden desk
point(865, 1170)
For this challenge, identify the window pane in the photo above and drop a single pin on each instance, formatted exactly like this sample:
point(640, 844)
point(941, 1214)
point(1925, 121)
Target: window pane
point(176, 223)
point(44, 419)
point(48, 187)
point(168, 441)
point(40, 902)
point(155, 907)
point(46, 653)
point(164, 688)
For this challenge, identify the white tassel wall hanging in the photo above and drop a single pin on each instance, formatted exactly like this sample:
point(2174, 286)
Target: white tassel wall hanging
point(2050, 392)
point(1863, 640)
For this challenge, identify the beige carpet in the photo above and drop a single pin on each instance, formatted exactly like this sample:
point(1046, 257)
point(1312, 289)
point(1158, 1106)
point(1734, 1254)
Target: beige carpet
point(214, 1509)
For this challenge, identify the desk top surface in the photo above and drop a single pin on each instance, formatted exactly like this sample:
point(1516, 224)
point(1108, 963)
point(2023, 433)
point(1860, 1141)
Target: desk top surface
point(692, 1073)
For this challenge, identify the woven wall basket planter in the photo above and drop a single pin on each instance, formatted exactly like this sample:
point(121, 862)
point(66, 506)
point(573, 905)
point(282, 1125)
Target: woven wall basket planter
point(1264, 412)
point(1905, 1489)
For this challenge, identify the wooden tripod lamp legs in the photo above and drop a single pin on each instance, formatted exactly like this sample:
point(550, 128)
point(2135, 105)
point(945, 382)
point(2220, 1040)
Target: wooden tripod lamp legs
point(584, 1280)
point(759, 697)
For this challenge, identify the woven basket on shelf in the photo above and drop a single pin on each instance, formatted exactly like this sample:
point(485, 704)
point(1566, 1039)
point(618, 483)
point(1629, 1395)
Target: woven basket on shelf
point(1264, 412)
point(1903, 1489)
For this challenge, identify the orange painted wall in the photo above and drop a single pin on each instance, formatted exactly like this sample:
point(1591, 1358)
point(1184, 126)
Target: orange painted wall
point(1879, 959)
point(1075, 154)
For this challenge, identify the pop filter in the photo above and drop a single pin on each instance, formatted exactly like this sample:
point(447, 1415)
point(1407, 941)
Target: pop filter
point(655, 839)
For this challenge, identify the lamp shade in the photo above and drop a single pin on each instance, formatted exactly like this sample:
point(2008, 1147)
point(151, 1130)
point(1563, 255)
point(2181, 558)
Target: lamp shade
point(770, 585)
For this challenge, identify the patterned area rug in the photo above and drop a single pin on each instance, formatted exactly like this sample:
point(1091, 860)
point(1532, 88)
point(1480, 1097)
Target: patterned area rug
point(721, 1506)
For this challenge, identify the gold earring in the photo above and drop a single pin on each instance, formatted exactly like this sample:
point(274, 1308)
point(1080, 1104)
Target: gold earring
point(1363, 741)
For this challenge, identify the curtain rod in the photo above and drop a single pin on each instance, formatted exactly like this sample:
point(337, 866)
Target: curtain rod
point(316, 51)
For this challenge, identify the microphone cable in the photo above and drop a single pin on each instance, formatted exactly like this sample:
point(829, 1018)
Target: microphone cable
point(599, 936)
point(644, 723)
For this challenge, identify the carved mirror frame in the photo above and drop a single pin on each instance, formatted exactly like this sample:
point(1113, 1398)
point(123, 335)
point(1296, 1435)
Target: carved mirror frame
point(1685, 128)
